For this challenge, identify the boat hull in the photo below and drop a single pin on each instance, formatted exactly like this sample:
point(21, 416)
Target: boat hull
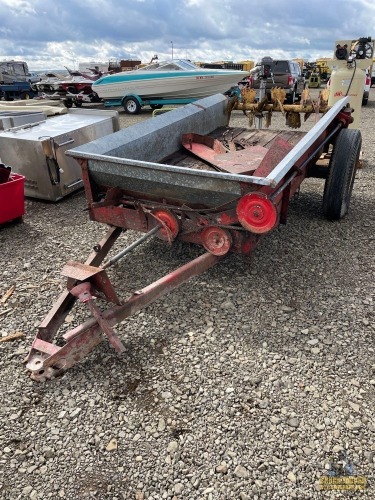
point(181, 86)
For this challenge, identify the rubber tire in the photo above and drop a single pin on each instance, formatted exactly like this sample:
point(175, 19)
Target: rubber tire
point(290, 98)
point(341, 173)
point(94, 97)
point(78, 104)
point(156, 106)
point(364, 101)
point(68, 103)
point(132, 106)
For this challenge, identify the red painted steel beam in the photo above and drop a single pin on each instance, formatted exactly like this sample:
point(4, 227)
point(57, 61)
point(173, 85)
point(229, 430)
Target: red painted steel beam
point(150, 293)
point(65, 302)
point(50, 360)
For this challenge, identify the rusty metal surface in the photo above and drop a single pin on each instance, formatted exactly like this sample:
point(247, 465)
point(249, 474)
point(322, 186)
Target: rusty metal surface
point(43, 367)
point(177, 185)
point(84, 292)
point(79, 271)
point(278, 150)
point(242, 161)
point(42, 345)
point(76, 271)
point(216, 240)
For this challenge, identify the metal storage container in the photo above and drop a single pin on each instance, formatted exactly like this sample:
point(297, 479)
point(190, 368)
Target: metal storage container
point(38, 151)
point(10, 119)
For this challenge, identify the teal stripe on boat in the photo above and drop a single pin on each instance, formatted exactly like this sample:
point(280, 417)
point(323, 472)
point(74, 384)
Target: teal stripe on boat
point(120, 78)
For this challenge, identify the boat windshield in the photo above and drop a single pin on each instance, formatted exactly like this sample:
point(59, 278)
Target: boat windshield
point(175, 65)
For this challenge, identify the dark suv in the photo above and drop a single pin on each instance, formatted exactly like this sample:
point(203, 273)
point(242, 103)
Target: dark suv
point(283, 74)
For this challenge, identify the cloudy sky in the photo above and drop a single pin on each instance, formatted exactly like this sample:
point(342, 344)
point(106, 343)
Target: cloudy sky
point(51, 34)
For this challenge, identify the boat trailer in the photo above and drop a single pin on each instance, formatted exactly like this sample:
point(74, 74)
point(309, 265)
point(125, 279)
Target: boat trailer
point(186, 176)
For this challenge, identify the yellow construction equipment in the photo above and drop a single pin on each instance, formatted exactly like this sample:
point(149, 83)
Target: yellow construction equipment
point(323, 68)
point(314, 81)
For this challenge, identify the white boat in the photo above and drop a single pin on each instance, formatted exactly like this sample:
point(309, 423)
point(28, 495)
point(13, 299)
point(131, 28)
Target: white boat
point(49, 82)
point(167, 80)
point(74, 82)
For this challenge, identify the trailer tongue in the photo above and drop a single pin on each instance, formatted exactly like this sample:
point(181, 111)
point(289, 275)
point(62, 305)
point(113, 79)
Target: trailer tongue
point(143, 178)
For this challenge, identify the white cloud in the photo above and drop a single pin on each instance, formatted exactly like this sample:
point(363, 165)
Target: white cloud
point(19, 7)
point(200, 29)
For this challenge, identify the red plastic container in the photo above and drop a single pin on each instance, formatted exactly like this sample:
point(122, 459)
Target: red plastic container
point(12, 198)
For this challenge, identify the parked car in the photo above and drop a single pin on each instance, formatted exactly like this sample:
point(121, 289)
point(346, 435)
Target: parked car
point(33, 78)
point(283, 74)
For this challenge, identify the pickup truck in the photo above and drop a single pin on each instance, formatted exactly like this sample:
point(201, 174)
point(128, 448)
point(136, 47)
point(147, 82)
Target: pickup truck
point(283, 74)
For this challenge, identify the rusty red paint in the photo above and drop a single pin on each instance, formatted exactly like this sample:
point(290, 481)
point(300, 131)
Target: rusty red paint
point(242, 161)
point(170, 222)
point(101, 286)
point(278, 150)
point(216, 240)
point(246, 247)
point(46, 360)
point(227, 218)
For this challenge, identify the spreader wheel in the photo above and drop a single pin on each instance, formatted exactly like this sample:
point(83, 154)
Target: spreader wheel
point(216, 240)
point(341, 173)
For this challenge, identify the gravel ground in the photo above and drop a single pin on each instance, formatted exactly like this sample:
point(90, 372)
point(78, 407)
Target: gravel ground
point(246, 382)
